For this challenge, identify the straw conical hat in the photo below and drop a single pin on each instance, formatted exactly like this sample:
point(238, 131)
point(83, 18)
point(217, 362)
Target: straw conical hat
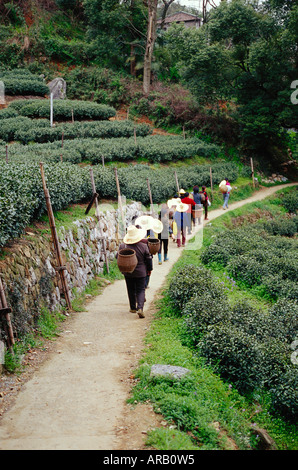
point(157, 226)
point(173, 202)
point(181, 207)
point(144, 221)
point(134, 235)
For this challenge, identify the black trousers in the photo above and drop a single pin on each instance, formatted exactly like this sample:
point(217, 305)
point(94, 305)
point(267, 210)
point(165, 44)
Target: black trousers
point(136, 292)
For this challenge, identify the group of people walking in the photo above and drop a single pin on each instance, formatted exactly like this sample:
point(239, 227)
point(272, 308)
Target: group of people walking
point(175, 219)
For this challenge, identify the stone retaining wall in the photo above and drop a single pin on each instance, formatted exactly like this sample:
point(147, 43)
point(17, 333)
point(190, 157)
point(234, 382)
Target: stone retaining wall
point(28, 269)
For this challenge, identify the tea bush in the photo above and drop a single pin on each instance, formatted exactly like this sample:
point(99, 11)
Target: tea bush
point(246, 345)
point(62, 109)
point(258, 259)
point(23, 82)
point(27, 130)
point(15, 86)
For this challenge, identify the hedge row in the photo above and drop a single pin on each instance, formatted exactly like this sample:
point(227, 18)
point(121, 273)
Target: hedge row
point(22, 82)
point(259, 259)
point(22, 198)
point(25, 130)
point(153, 148)
point(63, 110)
point(15, 86)
point(249, 347)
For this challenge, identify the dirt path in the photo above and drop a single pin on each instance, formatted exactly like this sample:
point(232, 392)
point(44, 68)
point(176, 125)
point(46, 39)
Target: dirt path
point(76, 398)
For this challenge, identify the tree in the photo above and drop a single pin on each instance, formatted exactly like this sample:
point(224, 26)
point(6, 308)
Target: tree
point(247, 55)
point(116, 30)
point(151, 37)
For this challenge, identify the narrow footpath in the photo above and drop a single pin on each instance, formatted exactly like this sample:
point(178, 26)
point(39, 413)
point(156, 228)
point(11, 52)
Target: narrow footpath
point(76, 399)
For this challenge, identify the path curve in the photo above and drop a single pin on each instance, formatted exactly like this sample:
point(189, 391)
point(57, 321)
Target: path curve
point(76, 399)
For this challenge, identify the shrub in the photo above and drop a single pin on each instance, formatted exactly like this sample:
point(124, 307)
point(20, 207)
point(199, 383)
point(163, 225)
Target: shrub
point(290, 201)
point(237, 355)
point(188, 281)
point(16, 86)
point(203, 311)
point(63, 109)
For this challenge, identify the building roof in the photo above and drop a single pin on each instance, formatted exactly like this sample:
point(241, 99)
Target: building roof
point(180, 16)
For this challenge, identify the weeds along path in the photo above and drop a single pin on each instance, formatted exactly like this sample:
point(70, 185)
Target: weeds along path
point(76, 399)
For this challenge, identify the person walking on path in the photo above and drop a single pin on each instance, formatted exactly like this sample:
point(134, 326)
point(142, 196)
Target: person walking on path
point(204, 198)
point(164, 234)
point(226, 188)
point(135, 281)
point(191, 206)
point(181, 220)
point(198, 200)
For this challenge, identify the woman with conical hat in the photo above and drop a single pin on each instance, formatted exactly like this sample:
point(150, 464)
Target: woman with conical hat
point(181, 219)
point(135, 281)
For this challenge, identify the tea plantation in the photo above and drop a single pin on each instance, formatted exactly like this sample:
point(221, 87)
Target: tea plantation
point(27, 139)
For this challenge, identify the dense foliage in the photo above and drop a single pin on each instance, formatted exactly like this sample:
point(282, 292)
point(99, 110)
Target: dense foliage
point(63, 109)
point(22, 198)
point(248, 347)
point(25, 130)
point(260, 257)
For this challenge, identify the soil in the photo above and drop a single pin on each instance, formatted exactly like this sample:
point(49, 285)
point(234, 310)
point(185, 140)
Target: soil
point(74, 390)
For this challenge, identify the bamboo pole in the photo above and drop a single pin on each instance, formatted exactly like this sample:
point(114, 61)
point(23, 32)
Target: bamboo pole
point(51, 110)
point(252, 172)
point(177, 183)
point(119, 198)
point(150, 196)
point(97, 216)
point(60, 268)
point(135, 135)
point(4, 305)
point(6, 151)
point(211, 183)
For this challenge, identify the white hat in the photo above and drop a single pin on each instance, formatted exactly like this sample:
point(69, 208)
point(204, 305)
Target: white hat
point(173, 202)
point(157, 226)
point(181, 191)
point(181, 207)
point(134, 235)
point(144, 221)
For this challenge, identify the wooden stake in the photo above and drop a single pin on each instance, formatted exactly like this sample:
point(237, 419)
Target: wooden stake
point(51, 110)
point(177, 184)
point(252, 172)
point(97, 216)
point(60, 268)
point(211, 183)
point(103, 161)
point(119, 199)
point(184, 132)
point(6, 150)
point(6, 312)
point(135, 135)
point(72, 116)
point(62, 139)
point(150, 196)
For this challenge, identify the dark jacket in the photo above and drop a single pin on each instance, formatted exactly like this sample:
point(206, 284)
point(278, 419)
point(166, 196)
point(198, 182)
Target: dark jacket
point(144, 259)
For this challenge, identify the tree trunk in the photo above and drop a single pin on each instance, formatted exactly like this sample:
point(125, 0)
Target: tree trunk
point(151, 35)
point(164, 12)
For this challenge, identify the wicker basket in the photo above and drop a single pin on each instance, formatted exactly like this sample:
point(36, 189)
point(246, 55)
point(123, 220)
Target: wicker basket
point(127, 260)
point(153, 245)
point(197, 213)
point(223, 188)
